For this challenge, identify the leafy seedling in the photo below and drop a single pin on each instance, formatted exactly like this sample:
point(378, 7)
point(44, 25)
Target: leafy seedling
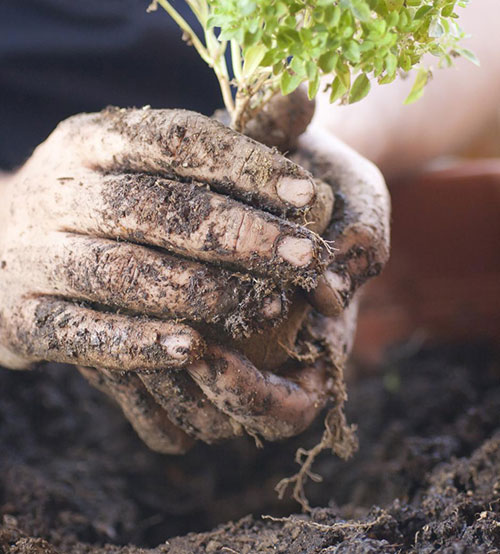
point(342, 45)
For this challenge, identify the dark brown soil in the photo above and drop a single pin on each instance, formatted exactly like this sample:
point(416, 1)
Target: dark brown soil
point(75, 479)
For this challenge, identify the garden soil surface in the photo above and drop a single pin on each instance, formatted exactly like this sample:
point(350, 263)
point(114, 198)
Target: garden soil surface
point(75, 479)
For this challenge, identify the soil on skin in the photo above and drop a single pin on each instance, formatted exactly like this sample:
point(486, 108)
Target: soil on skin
point(75, 479)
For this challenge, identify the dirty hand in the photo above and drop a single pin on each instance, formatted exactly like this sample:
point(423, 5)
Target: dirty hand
point(97, 212)
point(91, 183)
point(359, 230)
point(359, 226)
point(224, 394)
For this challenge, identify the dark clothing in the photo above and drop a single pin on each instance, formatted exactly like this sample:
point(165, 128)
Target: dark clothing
point(61, 57)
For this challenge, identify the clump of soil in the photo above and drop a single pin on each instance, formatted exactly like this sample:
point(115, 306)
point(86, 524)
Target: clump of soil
point(75, 479)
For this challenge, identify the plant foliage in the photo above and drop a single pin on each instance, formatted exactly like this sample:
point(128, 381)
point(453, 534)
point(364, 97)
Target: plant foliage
point(343, 45)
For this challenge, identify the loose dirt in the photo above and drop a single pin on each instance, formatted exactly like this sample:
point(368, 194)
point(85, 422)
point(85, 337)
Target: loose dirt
point(75, 479)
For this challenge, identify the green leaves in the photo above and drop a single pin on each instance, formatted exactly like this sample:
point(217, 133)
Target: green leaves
point(353, 41)
point(345, 44)
point(467, 54)
point(253, 56)
point(289, 82)
point(359, 8)
point(360, 88)
point(422, 78)
point(394, 4)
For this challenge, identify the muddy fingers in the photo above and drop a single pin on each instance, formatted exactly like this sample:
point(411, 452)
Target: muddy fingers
point(193, 147)
point(49, 329)
point(141, 280)
point(265, 404)
point(360, 225)
point(148, 419)
point(188, 407)
point(191, 221)
point(167, 214)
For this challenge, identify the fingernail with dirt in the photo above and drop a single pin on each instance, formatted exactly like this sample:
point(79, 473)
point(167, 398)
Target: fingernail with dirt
point(272, 307)
point(296, 251)
point(177, 347)
point(298, 192)
point(338, 282)
point(332, 293)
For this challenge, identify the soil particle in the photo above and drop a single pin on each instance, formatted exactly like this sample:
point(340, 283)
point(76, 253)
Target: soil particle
point(74, 478)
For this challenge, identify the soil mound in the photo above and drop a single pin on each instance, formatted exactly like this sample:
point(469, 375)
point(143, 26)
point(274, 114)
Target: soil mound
point(75, 479)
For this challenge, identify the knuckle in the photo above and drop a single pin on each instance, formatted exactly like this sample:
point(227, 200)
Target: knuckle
point(116, 268)
point(363, 263)
point(11, 356)
point(362, 255)
point(185, 134)
point(35, 327)
point(132, 197)
point(76, 121)
point(364, 243)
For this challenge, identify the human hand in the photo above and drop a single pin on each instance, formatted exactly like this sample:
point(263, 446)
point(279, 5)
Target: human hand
point(359, 230)
point(224, 395)
point(221, 396)
point(359, 227)
point(84, 221)
point(172, 387)
point(235, 395)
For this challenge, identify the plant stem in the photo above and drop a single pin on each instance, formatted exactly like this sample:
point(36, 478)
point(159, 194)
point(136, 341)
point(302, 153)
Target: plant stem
point(236, 59)
point(238, 119)
point(217, 51)
point(243, 111)
point(213, 53)
point(200, 10)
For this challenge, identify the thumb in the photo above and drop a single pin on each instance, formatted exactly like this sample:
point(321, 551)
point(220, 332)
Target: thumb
point(282, 120)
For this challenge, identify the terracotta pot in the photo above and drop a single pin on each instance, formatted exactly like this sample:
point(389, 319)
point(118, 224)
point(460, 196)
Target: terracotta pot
point(443, 279)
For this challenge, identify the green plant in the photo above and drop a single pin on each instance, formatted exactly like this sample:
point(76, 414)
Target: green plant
point(279, 44)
